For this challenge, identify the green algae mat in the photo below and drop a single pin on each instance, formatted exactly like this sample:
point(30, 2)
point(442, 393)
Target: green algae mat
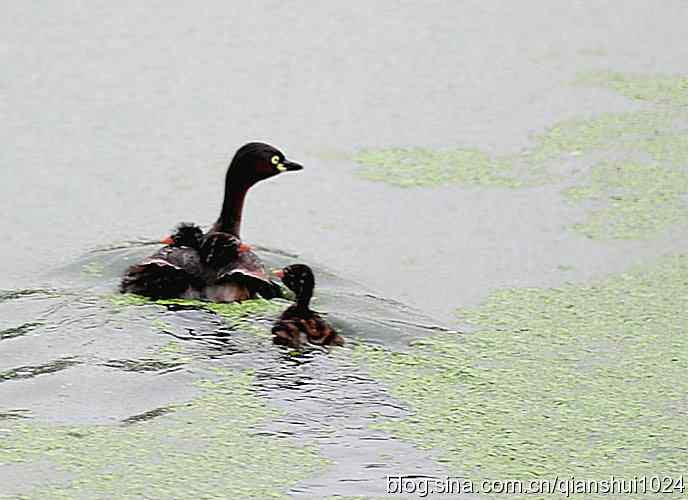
point(582, 380)
point(646, 151)
point(207, 447)
point(235, 314)
point(634, 200)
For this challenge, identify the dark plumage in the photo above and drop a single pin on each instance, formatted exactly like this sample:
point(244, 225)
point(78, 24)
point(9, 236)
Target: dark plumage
point(221, 255)
point(213, 269)
point(186, 234)
point(252, 163)
point(298, 324)
point(173, 271)
point(219, 249)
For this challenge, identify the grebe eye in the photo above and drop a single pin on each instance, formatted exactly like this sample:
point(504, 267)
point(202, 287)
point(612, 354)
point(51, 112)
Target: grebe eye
point(275, 160)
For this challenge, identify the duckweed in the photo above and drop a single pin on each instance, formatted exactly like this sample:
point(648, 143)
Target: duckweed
point(161, 325)
point(93, 269)
point(638, 199)
point(670, 89)
point(629, 138)
point(623, 133)
point(671, 148)
point(236, 314)
point(128, 299)
point(409, 167)
point(207, 448)
point(579, 380)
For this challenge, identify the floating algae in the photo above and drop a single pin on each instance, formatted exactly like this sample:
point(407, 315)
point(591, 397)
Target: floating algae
point(628, 138)
point(639, 200)
point(206, 448)
point(165, 358)
point(420, 167)
point(622, 133)
point(625, 133)
point(663, 89)
point(93, 269)
point(579, 380)
point(235, 314)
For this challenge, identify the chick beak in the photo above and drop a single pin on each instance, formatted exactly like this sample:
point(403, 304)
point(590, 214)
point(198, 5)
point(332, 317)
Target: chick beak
point(279, 273)
point(245, 247)
point(167, 240)
point(291, 165)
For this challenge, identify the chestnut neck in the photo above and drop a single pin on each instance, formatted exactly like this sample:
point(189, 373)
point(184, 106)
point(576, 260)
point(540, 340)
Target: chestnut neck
point(232, 208)
point(304, 299)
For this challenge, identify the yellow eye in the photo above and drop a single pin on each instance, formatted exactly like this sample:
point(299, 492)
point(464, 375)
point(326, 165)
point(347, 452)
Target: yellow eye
point(274, 160)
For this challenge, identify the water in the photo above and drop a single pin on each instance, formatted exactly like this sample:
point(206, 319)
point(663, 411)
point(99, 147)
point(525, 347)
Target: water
point(120, 121)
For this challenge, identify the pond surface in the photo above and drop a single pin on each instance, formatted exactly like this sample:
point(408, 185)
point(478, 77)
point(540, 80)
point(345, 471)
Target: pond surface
point(493, 201)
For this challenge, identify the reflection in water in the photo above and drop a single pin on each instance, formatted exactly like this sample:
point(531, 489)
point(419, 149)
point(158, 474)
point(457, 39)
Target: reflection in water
point(24, 372)
point(142, 365)
point(14, 414)
point(18, 331)
point(148, 415)
point(111, 138)
point(323, 398)
point(6, 295)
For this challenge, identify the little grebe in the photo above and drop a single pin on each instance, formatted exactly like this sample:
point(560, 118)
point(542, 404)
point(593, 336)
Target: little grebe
point(298, 324)
point(173, 271)
point(244, 275)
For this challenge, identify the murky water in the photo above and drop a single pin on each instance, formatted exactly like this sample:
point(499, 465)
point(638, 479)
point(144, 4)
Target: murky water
point(120, 121)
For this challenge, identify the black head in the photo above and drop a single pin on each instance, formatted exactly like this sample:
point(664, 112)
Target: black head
point(219, 249)
point(185, 235)
point(299, 279)
point(256, 161)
